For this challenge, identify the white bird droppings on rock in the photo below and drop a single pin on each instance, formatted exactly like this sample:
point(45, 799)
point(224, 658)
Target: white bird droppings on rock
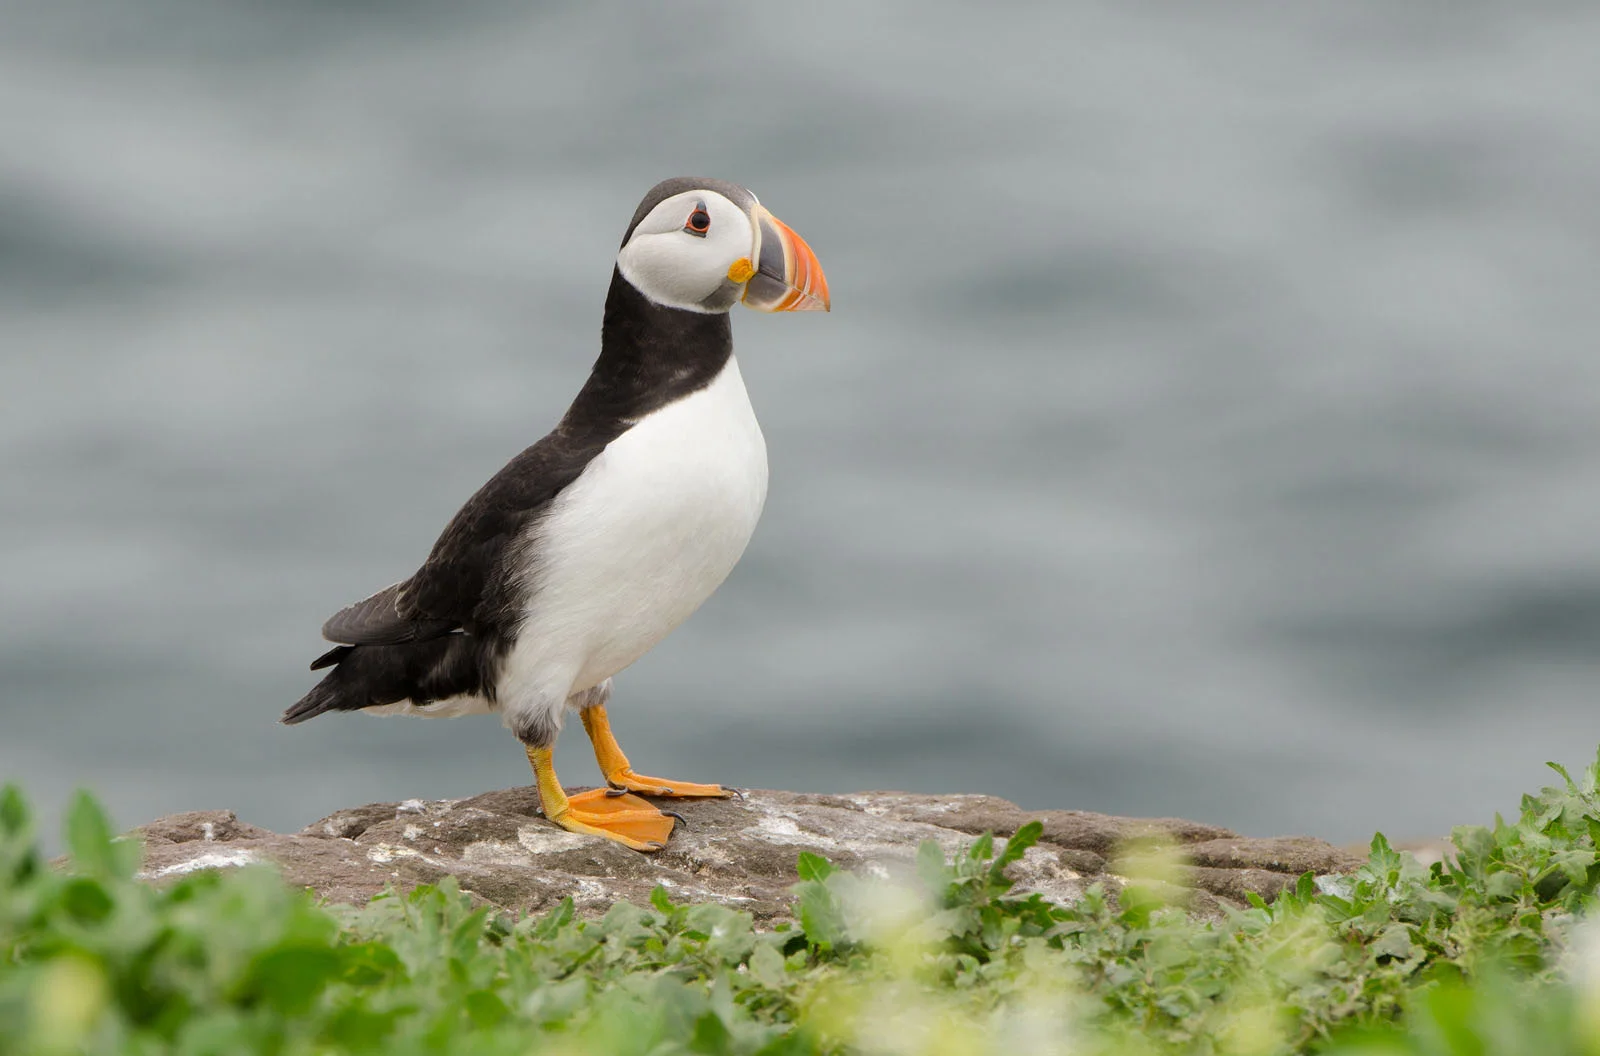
point(214, 860)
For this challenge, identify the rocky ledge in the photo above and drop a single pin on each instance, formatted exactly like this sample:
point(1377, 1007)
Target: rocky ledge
point(740, 852)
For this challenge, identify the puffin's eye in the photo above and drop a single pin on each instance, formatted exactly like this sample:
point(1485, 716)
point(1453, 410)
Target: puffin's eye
point(699, 222)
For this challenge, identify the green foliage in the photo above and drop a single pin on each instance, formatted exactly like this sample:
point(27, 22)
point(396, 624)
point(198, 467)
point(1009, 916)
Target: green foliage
point(1483, 954)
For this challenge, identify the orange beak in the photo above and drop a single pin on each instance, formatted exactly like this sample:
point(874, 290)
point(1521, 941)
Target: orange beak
point(787, 277)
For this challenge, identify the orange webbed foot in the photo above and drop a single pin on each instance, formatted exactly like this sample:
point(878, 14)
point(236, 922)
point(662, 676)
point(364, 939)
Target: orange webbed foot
point(626, 819)
point(662, 786)
point(619, 772)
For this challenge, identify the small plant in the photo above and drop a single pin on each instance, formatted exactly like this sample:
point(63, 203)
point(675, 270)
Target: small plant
point(1486, 953)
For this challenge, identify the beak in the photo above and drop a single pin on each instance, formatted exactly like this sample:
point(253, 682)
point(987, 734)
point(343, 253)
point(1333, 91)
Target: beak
point(787, 276)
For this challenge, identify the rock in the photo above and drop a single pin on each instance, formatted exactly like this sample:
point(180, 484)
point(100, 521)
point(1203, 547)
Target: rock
point(1284, 854)
point(740, 852)
point(1235, 884)
point(1104, 833)
point(201, 826)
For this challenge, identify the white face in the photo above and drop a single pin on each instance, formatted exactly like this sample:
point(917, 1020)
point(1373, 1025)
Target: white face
point(680, 253)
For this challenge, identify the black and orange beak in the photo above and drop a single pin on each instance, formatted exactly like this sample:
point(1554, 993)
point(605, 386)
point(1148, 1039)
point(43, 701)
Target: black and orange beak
point(787, 277)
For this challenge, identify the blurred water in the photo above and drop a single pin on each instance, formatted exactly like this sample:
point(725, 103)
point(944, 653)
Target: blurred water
point(1206, 423)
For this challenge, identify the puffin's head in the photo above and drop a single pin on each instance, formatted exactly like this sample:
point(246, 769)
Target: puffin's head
point(704, 245)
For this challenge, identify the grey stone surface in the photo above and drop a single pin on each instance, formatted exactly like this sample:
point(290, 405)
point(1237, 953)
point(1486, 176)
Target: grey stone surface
point(1283, 854)
point(740, 852)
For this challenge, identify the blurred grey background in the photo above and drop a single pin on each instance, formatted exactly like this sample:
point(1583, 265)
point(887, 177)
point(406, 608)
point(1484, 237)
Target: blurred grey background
point(1208, 422)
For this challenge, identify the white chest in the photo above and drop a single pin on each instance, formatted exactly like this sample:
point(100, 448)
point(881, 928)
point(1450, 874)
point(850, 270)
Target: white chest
point(649, 530)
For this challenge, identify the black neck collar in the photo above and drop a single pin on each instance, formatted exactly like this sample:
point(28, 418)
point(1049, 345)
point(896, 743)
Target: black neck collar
point(650, 356)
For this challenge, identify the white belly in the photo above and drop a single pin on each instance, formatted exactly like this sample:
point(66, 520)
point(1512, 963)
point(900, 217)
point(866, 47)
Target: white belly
point(632, 547)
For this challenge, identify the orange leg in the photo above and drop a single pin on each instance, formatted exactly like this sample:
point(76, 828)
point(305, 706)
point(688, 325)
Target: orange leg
point(619, 772)
point(626, 819)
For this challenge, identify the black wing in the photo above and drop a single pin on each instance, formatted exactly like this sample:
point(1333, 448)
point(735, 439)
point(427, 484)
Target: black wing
point(469, 580)
point(378, 621)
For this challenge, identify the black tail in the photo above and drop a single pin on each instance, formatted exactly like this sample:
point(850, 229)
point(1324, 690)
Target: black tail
point(332, 656)
point(328, 694)
point(367, 675)
point(324, 696)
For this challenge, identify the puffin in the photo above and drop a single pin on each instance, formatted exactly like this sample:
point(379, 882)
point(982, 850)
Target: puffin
point(591, 546)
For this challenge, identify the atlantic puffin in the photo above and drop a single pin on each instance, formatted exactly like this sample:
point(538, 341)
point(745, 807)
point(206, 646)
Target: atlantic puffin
point(589, 547)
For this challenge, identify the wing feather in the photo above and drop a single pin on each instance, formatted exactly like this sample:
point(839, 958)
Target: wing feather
point(378, 620)
point(469, 582)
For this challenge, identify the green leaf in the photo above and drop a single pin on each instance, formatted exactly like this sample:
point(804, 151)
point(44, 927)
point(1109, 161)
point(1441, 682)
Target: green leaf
point(1502, 885)
point(711, 1036)
point(1394, 941)
point(728, 934)
point(361, 1029)
point(1574, 863)
point(1473, 841)
point(1138, 901)
point(931, 867)
point(369, 963)
point(552, 1003)
point(485, 1009)
point(16, 821)
point(19, 857)
point(1572, 786)
point(288, 978)
point(820, 917)
point(1017, 846)
point(86, 901)
point(89, 837)
point(799, 1042)
point(766, 967)
point(991, 928)
point(813, 866)
point(553, 922)
point(467, 935)
point(661, 900)
point(1380, 855)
